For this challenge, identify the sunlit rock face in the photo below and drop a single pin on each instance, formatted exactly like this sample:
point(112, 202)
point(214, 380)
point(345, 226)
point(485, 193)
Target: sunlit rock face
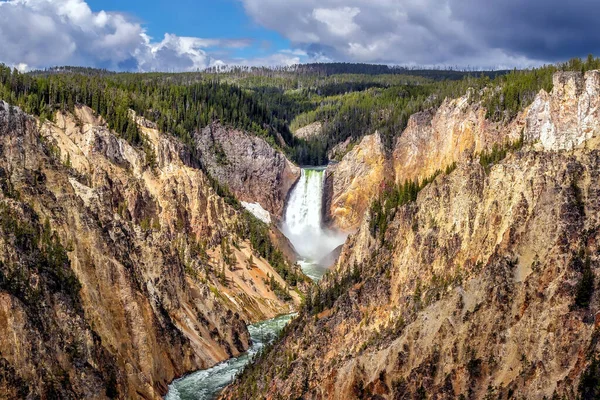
point(473, 290)
point(569, 115)
point(456, 132)
point(310, 130)
point(435, 139)
point(137, 294)
point(351, 184)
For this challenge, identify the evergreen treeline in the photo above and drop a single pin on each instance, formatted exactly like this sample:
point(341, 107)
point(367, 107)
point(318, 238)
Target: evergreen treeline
point(351, 100)
point(319, 298)
point(387, 109)
point(383, 208)
point(518, 89)
point(178, 109)
point(327, 69)
point(498, 152)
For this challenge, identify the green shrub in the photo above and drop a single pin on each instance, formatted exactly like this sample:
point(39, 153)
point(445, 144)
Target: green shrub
point(589, 386)
point(487, 159)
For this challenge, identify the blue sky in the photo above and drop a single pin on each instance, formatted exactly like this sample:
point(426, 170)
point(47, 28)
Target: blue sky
point(203, 18)
point(186, 35)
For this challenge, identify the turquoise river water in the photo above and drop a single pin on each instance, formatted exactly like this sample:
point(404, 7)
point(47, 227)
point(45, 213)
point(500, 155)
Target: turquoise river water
point(302, 225)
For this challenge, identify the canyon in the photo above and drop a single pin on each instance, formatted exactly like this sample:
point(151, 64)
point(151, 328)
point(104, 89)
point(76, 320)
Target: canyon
point(456, 258)
point(474, 290)
point(313, 243)
point(151, 272)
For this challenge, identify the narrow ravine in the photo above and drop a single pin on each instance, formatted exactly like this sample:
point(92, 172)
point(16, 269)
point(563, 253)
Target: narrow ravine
point(206, 384)
point(302, 225)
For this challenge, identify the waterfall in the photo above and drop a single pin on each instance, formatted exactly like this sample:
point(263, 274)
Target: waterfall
point(302, 223)
point(303, 227)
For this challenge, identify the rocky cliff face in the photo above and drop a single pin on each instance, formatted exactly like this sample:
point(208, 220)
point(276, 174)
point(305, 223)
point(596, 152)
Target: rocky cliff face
point(433, 140)
point(120, 268)
point(458, 130)
point(249, 166)
point(569, 115)
point(481, 288)
point(352, 183)
point(560, 120)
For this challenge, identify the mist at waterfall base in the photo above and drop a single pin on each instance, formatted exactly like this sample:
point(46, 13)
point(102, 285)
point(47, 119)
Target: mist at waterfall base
point(303, 227)
point(302, 224)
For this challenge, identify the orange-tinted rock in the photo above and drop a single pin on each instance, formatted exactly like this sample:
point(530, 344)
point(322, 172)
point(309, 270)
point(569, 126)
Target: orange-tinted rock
point(352, 183)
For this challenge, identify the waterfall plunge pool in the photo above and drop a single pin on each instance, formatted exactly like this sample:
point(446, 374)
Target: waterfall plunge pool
point(303, 226)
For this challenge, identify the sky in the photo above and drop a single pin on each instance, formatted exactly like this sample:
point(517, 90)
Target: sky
point(188, 35)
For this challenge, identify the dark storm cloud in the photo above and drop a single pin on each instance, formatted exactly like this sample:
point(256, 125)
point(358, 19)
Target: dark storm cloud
point(541, 29)
point(452, 32)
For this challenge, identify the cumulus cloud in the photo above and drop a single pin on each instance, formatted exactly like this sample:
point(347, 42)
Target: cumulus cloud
point(286, 57)
point(41, 33)
point(435, 32)
point(485, 34)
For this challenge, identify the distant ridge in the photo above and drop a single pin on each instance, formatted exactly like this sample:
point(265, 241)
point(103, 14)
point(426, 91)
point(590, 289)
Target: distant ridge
point(327, 69)
point(319, 69)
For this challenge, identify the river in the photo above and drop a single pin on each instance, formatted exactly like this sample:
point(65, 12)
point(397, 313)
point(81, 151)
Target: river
point(303, 227)
point(207, 383)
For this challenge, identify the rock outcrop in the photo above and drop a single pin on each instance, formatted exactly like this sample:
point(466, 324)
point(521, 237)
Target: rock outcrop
point(481, 288)
point(458, 131)
point(569, 115)
point(340, 150)
point(120, 267)
point(351, 184)
point(310, 130)
point(433, 140)
point(253, 170)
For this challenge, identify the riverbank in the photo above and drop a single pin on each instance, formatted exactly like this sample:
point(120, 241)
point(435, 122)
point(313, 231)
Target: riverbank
point(206, 384)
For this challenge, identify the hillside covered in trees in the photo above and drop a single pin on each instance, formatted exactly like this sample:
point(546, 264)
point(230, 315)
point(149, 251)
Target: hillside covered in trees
point(350, 100)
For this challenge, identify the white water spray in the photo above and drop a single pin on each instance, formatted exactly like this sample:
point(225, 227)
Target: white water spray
point(303, 225)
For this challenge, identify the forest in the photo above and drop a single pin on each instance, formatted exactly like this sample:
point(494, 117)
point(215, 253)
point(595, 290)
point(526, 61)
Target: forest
point(350, 100)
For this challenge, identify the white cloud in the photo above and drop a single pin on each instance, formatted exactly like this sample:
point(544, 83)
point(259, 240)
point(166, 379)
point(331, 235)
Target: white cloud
point(281, 58)
point(42, 33)
point(420, 32)
point(339, 21)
